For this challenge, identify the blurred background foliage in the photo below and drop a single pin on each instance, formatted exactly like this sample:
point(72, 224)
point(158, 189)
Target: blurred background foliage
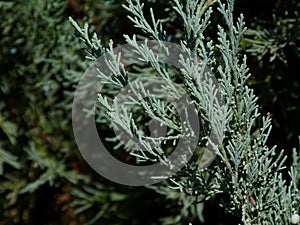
point(43, 179)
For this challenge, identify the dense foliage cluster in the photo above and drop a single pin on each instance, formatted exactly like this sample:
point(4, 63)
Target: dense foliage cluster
point(44, 180)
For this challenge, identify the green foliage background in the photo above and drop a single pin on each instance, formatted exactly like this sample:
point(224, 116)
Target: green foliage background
point(43, 179)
